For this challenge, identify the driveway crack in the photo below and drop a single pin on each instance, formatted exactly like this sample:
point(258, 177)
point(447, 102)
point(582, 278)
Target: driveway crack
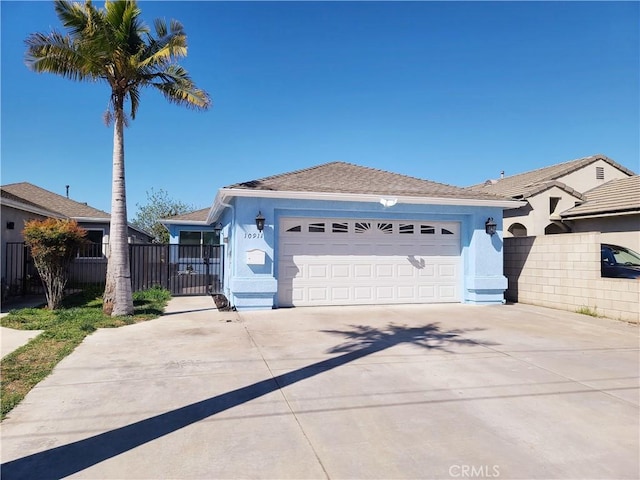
point(286, 400)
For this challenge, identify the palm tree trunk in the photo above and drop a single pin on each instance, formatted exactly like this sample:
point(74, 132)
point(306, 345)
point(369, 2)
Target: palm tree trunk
point(117, 299)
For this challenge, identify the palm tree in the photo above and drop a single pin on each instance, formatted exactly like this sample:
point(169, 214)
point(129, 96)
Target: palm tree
point(114, 46)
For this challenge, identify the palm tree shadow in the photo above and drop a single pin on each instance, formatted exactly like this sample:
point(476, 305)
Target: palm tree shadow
point(361, 341)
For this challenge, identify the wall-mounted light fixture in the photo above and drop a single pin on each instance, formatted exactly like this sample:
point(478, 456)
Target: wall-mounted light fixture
point(217, 228)
point(260, 222)
point(490, 226)
point(11, 225)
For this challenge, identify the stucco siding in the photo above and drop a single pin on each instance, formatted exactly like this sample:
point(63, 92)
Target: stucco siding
point(584, 179)
point(536, 216)
point(249, 285)
point(563, 272)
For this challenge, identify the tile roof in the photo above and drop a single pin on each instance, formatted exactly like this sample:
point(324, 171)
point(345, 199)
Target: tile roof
point(528, 183)
point(616, 196)
point(33, 195)
point(342, 177)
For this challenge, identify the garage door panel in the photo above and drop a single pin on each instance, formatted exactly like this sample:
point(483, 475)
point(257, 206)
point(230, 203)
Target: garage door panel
point(384, 270)
point(339, 294)
point(447, 292)
point(447, 271)
point(320, 271)
point(317, 294)
point(362, 271)
point(363, 293)
point(405, 271)
point(385, 293)
point(405, 292)
point(340, 271)
point(429, 271)
point(427, 291)
point(368, 266)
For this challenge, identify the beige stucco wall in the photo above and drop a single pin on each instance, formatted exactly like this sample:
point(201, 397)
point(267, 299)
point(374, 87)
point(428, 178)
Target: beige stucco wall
point(536, 216)
point(563, 272)
point(585, 178)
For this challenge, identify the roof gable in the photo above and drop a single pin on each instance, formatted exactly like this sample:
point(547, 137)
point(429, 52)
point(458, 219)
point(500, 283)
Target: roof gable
point(347, 178)
point(523, 184)
point(617, 196)
point(30, 194)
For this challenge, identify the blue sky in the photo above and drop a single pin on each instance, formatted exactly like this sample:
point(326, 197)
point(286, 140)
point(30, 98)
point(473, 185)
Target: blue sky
point(452, 92)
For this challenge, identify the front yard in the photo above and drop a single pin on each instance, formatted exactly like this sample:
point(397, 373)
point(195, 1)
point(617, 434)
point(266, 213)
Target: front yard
point(64, 330)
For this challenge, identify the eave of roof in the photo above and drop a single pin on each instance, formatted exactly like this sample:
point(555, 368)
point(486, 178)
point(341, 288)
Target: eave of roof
point(543, 187)
point(29, 207)
point(224, 194)
point(616, 197)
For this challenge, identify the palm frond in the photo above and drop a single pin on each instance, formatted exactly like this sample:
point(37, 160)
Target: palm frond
point(114, 45)
point(177, 87)
point(55, 53)
point(73, 16)
point(134, 99)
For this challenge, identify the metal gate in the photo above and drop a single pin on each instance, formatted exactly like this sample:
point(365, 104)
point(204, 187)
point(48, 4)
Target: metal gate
point(183, 270)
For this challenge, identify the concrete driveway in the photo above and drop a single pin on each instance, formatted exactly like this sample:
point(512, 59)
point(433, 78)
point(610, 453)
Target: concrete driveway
point(435, 391)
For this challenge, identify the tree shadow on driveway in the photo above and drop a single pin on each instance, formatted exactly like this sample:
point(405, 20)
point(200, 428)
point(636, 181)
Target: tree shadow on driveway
point(361, 341)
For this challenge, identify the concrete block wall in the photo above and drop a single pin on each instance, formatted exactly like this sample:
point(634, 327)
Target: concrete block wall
point(563, 271)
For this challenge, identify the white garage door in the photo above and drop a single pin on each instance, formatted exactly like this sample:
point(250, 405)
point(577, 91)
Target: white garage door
point(363, 261)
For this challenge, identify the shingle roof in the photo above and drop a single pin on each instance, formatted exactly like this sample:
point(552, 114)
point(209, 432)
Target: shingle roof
point(523, 184)
point(616, 196)
point(342, 177)
point(33, 195)
point(196, 216)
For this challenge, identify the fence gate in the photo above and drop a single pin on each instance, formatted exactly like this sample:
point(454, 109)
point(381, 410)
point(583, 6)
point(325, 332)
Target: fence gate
point(181, 269)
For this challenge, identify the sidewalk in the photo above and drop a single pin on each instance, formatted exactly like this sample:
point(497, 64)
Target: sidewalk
point(10, 338)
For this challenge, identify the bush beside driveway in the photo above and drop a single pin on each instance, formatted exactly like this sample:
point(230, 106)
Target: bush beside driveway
point(377, 392)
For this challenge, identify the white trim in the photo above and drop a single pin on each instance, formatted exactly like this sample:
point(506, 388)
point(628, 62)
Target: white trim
point(367, 197)
point(224, 193)
point(184, 222)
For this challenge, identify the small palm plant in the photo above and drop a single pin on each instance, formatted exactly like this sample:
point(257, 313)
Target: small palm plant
point(113, 45)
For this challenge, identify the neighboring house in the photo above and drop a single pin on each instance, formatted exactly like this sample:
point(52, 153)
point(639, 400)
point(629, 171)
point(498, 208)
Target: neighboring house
point(549, 192)
point(612, 209)
point(342, 234)
point(24, 201)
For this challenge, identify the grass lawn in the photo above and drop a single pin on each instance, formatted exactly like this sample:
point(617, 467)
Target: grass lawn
point(64, 329)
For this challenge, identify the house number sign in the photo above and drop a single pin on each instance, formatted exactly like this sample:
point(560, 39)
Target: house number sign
point(254, 235)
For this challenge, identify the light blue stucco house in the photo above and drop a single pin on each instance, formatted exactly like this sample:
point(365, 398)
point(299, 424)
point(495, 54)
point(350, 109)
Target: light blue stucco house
point(343, 234)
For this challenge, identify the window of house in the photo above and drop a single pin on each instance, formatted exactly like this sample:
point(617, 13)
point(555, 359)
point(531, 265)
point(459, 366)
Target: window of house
point(362, 227)
point(95, 245)
point(386, 228)
point(553, 204)
point(342, 227)
point(316, 227)
point(405, 228)
point(599, 173)
point(191, 242)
